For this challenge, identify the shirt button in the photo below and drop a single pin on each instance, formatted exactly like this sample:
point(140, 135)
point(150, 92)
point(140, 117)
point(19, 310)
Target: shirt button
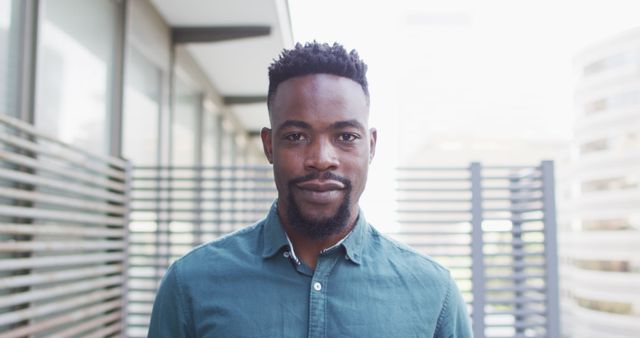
point(317, 286)
point(286, 254)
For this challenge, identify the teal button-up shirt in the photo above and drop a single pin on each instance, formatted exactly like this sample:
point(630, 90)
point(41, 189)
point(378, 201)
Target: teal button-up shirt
point(248, 284)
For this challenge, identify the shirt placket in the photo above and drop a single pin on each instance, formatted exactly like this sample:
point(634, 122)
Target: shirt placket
point(318, 295)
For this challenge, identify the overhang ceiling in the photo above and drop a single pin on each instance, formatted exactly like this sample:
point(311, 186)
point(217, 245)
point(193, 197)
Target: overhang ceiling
point(238, 67)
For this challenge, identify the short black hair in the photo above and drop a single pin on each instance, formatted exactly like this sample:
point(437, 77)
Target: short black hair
point(317, 58)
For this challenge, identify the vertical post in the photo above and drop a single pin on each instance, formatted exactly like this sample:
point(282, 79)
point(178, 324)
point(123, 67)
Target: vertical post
point(217, 191)
point(219, 147)
point(516, 189)
point(169, 181)
point(551, 249)
point(162, 157)
point(28, 61)
point(233, 177)
point(117, 82)
point(234, 148)
point(198, 170)
point(477, 256)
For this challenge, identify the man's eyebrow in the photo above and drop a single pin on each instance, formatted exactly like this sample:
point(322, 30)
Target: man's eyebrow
point(294, 123)
point(347, 124)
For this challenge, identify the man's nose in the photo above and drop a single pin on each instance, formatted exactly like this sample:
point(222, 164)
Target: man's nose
point(322, 156)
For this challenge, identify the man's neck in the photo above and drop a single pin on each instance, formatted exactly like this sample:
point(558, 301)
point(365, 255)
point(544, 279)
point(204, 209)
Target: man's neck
point(307, 249)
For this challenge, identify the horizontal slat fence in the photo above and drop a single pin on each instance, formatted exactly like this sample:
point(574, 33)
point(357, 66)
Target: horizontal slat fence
point(494, 228)
point(63, 237)
point(177, 208)
point(434, 216)
point(79, 236)
point(514, 253)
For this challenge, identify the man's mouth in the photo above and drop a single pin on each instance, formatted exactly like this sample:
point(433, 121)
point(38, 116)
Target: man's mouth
point(320, 191)
point(321, 185)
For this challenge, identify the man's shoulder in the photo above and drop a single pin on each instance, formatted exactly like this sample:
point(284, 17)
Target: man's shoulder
point(407, 256)
point(240, 244)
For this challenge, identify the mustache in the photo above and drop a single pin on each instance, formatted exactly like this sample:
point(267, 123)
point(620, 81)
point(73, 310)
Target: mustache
point(324, 176)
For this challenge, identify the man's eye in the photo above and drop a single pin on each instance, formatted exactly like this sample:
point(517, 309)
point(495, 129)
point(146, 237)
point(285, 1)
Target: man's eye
point(295, 137)
point(348, 137)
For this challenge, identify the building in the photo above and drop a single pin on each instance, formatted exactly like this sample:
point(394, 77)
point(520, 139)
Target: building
point(133, 78)
point(178, 89)
point(599, 195)
point(155, 82)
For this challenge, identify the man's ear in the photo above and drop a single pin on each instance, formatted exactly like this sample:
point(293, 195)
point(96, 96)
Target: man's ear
point(373, 138)
point(265, 135)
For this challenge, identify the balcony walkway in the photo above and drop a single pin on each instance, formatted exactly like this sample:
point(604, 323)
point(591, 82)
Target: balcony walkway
point(85, 240)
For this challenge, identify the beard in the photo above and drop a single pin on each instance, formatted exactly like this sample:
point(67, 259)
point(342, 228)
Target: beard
point(318, 228)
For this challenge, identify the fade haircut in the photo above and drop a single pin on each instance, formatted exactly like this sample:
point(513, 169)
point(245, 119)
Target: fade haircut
point(317, 58)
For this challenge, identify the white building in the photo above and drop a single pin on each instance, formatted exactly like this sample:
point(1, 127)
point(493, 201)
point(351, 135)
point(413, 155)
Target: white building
point(599, 195)
point(86, 85)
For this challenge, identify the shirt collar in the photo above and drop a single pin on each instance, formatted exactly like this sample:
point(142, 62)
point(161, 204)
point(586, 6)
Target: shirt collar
point(275, 237)
point(354, 242)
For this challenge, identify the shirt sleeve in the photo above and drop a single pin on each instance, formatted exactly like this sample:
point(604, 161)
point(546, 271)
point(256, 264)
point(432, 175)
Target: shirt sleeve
point(168, 317)
point(453, 321)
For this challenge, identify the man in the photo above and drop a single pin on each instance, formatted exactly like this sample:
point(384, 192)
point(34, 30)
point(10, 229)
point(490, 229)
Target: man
point(313, 267)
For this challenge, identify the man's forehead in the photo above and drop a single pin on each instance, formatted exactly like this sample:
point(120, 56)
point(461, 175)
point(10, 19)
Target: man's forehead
point(320, 100)
point(316, 87)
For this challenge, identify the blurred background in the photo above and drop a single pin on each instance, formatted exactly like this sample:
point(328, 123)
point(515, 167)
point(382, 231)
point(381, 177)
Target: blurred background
point(508, 148)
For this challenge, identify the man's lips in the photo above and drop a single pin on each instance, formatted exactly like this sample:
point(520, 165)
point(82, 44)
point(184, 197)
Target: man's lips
point(320, 192)
point(321, 185)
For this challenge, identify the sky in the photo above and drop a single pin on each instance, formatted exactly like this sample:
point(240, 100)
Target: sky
point(463, 70)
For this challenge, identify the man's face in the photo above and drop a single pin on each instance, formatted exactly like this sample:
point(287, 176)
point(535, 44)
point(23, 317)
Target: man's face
point(320, 147)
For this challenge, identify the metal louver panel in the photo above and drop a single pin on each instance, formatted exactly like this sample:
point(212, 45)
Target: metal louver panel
point(63, 237)
point(493, 227)
point(177, 208)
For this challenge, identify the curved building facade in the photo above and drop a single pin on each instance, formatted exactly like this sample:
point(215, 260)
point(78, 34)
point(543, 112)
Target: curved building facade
point(600, 239)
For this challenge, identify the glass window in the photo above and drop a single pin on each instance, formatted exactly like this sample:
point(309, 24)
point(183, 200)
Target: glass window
point(595, 106)
point(186, 107)
point(594, 146)
point(609, 184)
point(606, 224)
point(141, 110)
point(599, 265)
point(210, 139)
point(631, 141)
point(608, 63)
point(605, 306)
point(618, 101)
point(10, 14)
point(624, 100)
point(77, 46)
point(228, 144)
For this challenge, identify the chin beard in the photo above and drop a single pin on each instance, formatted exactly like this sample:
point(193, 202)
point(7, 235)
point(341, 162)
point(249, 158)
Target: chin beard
point(319, 228)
